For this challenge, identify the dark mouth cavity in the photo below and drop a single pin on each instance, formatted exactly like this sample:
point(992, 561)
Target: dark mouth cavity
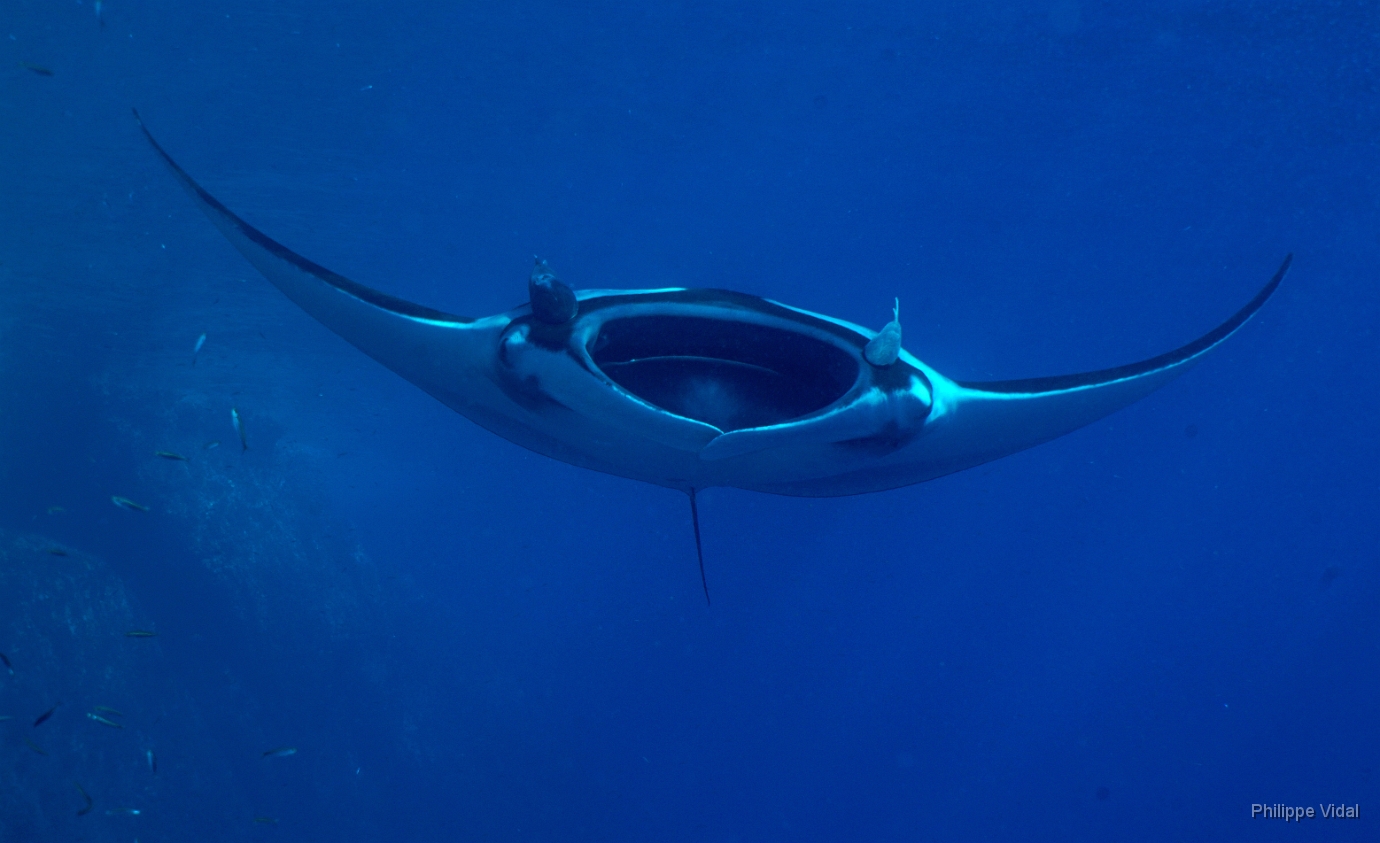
point(732, 375)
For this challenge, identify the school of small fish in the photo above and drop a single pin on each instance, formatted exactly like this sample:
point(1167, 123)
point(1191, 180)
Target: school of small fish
point(98, 714)
point(103, 714)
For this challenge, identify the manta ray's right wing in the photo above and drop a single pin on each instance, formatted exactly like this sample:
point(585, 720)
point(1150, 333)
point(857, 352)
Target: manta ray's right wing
point(442, 353)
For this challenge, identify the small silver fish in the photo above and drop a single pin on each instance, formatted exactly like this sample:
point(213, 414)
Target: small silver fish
point(281, 752)
point(200, 341)
point(39, 721)
point(129, 812)
point(239, 428)
point(170, 455)
point(99, 719)
point(86, 796)
point(126, 503)
point(153, 761)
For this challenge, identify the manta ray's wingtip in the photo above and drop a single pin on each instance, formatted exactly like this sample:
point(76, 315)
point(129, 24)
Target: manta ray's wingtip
point(1269, 289)
point(1170, 360)
point(139, 121)
point(1226, 329)
point(292, 273)
point(1280, 273)
point(177, 170)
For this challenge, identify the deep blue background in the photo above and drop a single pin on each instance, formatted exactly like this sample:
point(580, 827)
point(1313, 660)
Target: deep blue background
point(468, 641)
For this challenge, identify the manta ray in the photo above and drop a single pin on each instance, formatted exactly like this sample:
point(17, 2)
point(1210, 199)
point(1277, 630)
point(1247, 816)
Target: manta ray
point(692, 388)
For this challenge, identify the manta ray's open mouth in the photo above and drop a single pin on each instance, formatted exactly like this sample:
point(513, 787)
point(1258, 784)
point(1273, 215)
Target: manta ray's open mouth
point(730, 374)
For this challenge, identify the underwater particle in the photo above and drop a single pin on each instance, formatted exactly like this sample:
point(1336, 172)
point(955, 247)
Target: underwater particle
point(266, 820)
point(56, 551)
point(1103, 794)
point(87, 797)
point(214, 443)
point(239, 428)
point(38, 721)
point(280, 752)
point(35, 747)
point(821, 101)
point(1191, 431)
point(6, 659)
point(170, 455)
point(1329, 574)
point(36, 68)
point(141, 633)
point(153, 761)
point(126, 503)
point(104, 722)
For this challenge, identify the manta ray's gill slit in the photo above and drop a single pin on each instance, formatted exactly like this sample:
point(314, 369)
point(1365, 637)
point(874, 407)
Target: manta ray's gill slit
point(728, 373)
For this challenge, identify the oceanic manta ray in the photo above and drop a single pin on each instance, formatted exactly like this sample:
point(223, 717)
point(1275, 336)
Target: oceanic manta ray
point(692, 388)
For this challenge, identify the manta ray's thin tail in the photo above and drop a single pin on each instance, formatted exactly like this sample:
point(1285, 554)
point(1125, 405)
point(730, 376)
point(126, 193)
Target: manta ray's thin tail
point(699, 551)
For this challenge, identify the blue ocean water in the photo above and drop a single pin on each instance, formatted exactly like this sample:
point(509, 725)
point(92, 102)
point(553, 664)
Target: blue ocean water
point(1134, 632)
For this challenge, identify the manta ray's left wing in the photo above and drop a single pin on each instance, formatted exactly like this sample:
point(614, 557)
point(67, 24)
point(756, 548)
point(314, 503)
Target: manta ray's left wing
point(991, 419)
point(975, 422)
